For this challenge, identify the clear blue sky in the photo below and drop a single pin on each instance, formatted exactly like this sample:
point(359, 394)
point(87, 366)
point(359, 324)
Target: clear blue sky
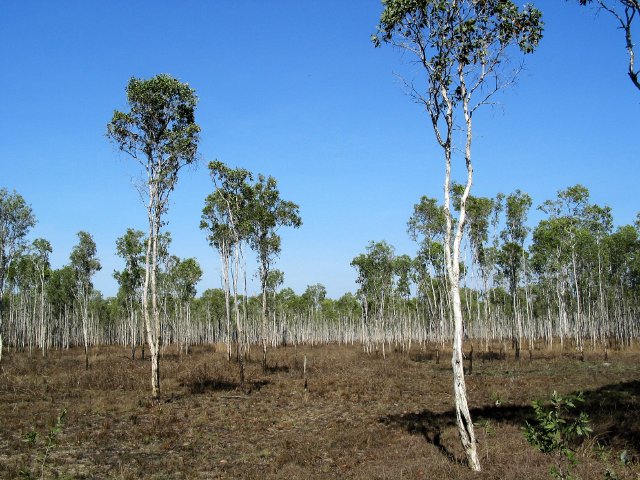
point(293, 89)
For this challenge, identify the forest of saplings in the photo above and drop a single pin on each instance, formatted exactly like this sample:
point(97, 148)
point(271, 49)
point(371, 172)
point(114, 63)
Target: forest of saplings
point(571, 279)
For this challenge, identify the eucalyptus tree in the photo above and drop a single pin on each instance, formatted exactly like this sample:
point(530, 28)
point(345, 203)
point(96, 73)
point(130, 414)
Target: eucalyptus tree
point(61, 290)
point(269, 212)
point(427, 226)
point(512, 255)
point(375, 276)
point(22, 282)
point(462, 47)
point(576, 230)
point(227, 218)
point(184, 277)
point(479, 211)
point(16, 219)
point(313, 297)
point(567, 212)
point(215, 220)
point(275, 279)
point(85, 264)
point(130, 247)
point(161, 134)
point(624, 12)
point(41, 249)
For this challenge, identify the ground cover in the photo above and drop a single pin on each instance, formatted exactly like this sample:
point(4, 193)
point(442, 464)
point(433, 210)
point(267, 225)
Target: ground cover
point(362, 416)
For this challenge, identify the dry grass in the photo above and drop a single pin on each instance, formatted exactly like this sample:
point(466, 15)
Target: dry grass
point(363, 416)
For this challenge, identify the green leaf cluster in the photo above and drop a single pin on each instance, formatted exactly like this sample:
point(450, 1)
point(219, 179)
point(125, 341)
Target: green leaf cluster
point(556, 426)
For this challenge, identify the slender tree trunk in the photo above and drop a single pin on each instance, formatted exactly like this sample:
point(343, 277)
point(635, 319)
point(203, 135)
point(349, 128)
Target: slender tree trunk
point(263, 278)
point(150, 287)
point(239, 329)
point(452, 257)
point(1, 310)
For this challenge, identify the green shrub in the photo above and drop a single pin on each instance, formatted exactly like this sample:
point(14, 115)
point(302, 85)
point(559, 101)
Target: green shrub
point(557, 427)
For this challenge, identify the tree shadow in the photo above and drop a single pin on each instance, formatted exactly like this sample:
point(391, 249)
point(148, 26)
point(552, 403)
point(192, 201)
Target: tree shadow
point(614, 411)
point(277, 368)
point(490, 356)
point(426, 423)
point(204, 385)
point(432, 425)
point(422, 357)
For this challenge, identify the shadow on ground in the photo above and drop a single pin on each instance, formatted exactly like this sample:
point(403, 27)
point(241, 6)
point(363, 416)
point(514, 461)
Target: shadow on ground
point(614, 411)
point(205, 385)
point(615, 415)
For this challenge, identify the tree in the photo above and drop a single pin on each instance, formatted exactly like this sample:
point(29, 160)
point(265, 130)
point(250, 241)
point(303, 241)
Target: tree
point(84, 264)
point(16, 219)
point(41, 249)
point(624, 12)
point(130, 247)
point(512, 255)
point(569, 246)
point(184, 276)
point(227, 218)
point(159, 132)
point(462, 47)
point(375, 270)
point(427, 226)
point(269, 212)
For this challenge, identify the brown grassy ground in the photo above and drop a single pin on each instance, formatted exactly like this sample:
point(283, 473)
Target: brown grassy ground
point(363, 416)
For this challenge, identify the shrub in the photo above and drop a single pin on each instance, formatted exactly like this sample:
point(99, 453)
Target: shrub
point(557, 427)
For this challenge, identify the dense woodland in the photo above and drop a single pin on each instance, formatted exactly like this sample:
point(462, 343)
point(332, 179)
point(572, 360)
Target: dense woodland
point(570, 278)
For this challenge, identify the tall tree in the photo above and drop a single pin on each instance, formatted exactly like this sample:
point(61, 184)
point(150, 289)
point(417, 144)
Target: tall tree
point(16, 219)
point(159, 132)
point(184, 276)
point(462, 47)
point(512, 255)
point(41, 249)
point(375, 269)
point(269, 212)
point(227, 218)
point(624, 12)
point(85, 264)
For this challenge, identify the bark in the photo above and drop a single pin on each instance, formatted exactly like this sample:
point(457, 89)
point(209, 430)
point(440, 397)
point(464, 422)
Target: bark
point(452, 257)
point(151, 257)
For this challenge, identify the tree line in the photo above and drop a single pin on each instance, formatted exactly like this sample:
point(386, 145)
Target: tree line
point(570, 278)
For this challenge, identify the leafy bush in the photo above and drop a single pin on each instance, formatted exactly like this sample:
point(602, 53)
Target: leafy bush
point(557, 427)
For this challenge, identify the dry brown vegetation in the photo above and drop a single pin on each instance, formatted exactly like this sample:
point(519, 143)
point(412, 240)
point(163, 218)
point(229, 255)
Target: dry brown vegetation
point(362, 417)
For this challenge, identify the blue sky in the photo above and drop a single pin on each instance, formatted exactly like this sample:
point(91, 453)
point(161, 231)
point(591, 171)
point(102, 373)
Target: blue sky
point(293, 89)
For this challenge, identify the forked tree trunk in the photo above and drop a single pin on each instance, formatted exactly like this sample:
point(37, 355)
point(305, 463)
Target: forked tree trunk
point(463, 417)
point(452, 257)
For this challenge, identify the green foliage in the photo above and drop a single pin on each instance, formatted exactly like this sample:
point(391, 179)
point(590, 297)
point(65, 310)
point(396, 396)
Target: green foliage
point(556, 427)
point(376, 270)
point(428, 220)
point(130, 247)
point(184, 276)
point(84, 263)
point(226, 215)
point(160, 129)
point(16, 219)
point(45, 448)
